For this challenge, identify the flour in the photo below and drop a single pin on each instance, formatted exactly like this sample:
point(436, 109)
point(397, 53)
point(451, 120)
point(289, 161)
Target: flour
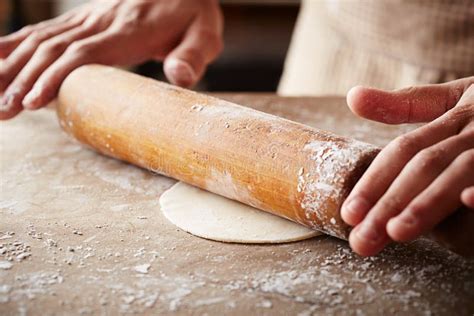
point(14, 251)
point(317, 277)
point(368, 283)
point(5, 265)
point(32, 285)
point(6, 235)
point(330, 283)
point(142, 268)
point(209, 301)
point(324, 184)
point(5, 289)
point(197, 107)
point(223, 184)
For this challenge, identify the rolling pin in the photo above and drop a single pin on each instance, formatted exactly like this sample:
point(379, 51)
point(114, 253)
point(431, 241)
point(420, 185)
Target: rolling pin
point(273, 164)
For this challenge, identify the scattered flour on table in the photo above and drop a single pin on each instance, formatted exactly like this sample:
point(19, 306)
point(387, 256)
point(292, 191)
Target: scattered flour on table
point(142, 268)
point(331, 283)
point(334, 282)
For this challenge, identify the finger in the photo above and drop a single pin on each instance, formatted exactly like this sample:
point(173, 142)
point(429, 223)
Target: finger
point(10, 42)
point(43, 57)
point(436, 202)
point(390, 162)
point(202, 43)
point(9, 112)
point(467, 197)
point(415, 104)
point(415, 177)
point(366, 248)
point(18, 59)
point(94, 49)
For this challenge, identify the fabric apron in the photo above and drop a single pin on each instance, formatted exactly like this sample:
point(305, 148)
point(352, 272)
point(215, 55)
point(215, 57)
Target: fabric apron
point(388, 44)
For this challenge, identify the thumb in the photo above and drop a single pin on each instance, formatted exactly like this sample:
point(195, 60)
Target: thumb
point(186, 64)
point(409, 105)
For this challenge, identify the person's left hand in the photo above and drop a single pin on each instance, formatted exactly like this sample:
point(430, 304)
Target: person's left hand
point(185, 34)
point(420, 178)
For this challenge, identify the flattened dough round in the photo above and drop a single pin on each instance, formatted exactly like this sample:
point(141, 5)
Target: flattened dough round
point(211, 216)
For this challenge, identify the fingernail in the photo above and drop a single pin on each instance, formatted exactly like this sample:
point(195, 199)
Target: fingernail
point(356, 205)
point(31, 98)
point(6, 102)
point(368, 233)
point(406, 220)
point(181, 71)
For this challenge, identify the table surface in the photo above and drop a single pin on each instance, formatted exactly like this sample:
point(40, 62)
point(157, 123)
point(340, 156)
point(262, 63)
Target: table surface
point(83, 234)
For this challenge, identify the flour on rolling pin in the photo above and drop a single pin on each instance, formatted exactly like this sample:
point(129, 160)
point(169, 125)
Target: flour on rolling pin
point(279, 166)
point(333, 164)
point(326, 181)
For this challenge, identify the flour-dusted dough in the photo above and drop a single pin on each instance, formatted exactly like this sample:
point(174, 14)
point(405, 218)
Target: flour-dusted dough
point(211, 216)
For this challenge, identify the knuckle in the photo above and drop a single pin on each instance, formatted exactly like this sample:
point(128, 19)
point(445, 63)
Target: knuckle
point(51, 47)
point(430, 158)
point(391, 204)
point(73, 48)
point(469, 132)
point(463, 111)
point(466, 159)
point(453, 95)
point(470, 87)
point(26, 29)
point(378, 221)
point(90, 22)
point(114, 34)
point(406, 144)
point(418, 209)
point(87, 28)
point(79, 49)
point(35, 37)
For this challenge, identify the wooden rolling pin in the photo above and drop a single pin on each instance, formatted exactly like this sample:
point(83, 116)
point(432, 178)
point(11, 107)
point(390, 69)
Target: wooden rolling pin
point(273, 164)
point(270, 163)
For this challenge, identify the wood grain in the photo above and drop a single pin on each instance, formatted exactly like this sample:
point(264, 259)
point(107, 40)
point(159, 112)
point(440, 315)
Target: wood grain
point(276, 165)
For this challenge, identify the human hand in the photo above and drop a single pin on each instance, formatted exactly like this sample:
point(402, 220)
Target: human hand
point(420, 178)
point(185, 34)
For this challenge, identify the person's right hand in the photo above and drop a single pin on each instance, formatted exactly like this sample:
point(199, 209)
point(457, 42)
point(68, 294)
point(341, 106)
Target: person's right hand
point(185, 34)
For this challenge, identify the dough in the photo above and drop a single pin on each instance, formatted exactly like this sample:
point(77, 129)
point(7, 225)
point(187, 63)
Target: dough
point(211, 216)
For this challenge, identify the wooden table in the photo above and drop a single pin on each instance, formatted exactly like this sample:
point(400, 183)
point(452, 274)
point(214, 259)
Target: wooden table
point(85, 235)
